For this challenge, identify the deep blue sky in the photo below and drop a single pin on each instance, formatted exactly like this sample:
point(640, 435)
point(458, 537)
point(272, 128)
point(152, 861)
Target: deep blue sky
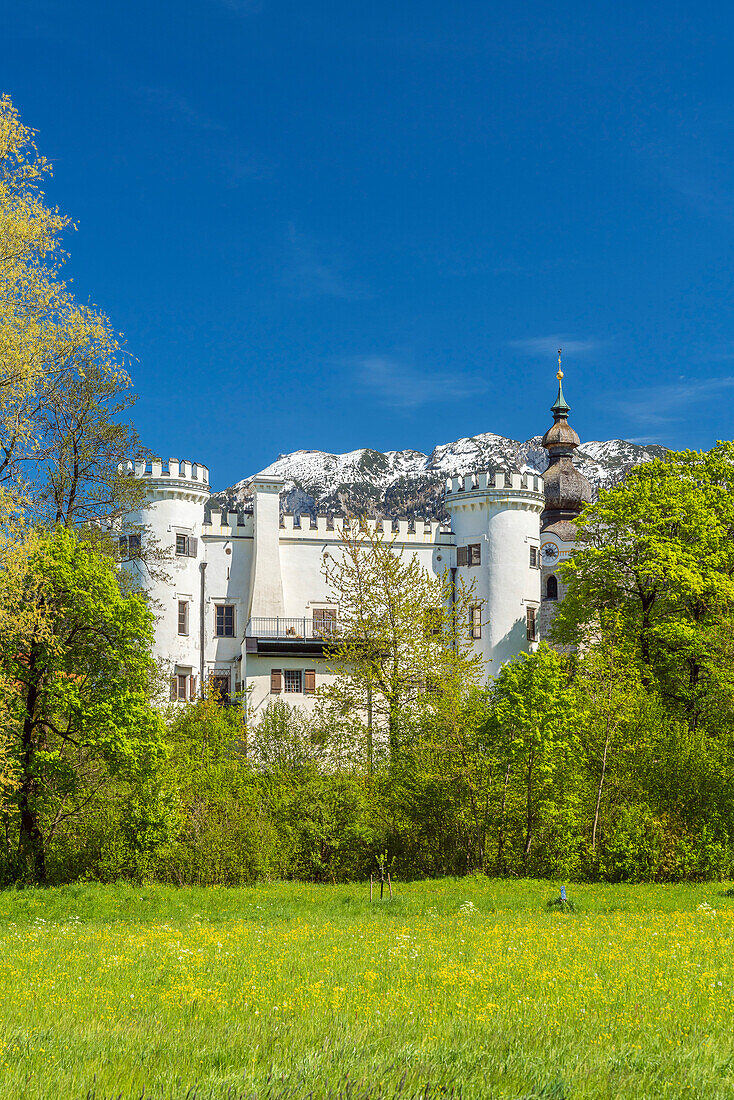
point(337, 224)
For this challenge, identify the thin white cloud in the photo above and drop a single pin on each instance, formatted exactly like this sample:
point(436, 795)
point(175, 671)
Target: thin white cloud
point(658, 406)
point(309, 272)
point(402, 386)
point(543, 346)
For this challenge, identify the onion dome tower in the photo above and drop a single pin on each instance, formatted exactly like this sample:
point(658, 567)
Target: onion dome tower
point(566, 488)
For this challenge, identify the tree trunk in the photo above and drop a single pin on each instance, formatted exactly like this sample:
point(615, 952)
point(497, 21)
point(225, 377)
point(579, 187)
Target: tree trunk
point(370, 740)
point(601, 784)
point(31, 848)
point(529, 811)
point(503, 815)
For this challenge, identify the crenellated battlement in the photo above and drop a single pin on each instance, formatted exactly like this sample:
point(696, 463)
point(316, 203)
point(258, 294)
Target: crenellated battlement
point(329, 528)
point(175, 469)
point(494, 481)
point(229, 524)
point(326, 527)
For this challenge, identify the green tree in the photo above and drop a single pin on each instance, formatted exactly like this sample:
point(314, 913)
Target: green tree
point(403, 641)
point(658, 551)
point(612, 708)
point(536, 731)
point(81, 661)
point(60, 370)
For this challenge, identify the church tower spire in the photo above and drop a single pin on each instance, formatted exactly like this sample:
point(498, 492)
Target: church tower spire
point(566, 488)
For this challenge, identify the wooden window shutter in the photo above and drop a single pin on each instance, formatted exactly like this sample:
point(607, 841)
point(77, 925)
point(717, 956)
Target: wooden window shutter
point(309, 681)
point(531, 624)
point(192, 547)
point(462, 556)
point(174, 689)
point(192, 687)
point(276, 681)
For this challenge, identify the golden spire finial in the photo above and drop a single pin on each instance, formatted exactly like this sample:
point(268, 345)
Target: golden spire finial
point(559, 376)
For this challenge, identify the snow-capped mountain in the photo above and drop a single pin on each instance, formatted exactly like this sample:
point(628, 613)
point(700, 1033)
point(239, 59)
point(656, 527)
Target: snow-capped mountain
point(411, 483)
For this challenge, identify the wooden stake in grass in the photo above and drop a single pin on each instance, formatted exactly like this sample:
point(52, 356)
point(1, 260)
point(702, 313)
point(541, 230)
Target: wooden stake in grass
point(370, 887)
point(389, 885)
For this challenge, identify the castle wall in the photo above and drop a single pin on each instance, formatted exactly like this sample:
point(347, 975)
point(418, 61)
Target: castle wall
point(269, 570)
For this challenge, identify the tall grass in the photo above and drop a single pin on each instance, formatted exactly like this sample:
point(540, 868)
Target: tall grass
point(465, 987)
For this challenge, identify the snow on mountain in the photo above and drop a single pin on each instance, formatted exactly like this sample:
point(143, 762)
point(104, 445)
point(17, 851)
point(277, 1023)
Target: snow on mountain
point(411, 483)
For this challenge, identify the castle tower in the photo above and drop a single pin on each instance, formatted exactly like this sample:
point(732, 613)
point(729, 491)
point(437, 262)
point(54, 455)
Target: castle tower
point(566, 493)
point(171, 519)
point(495, 519)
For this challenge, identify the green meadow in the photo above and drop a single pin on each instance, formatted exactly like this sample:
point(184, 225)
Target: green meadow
point(468, 987)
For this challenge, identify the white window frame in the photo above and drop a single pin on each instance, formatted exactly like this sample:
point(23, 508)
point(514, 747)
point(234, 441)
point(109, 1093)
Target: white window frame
point(296, 673)
point(217, 605)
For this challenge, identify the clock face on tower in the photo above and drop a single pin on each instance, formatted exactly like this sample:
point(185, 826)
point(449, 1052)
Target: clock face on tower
point(549, 550)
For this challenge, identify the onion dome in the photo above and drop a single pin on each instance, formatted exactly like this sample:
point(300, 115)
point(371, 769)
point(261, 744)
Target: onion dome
point(566, 488)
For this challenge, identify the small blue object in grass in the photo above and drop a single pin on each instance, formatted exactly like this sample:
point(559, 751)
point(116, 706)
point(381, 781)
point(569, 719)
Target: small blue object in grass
point(561, 903)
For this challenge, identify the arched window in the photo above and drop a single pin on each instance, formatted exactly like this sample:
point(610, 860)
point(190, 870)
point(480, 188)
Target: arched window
point(551, 587)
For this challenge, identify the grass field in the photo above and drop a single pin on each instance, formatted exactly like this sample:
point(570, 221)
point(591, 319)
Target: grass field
point(292, 990)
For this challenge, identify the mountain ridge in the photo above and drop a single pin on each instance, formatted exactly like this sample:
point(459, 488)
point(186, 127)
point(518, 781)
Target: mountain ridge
point(411, 483)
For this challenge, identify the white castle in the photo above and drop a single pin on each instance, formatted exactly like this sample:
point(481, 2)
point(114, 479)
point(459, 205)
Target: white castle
point(245, 606)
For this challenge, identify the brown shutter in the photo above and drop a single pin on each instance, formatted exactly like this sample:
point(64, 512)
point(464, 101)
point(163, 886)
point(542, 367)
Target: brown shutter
point(192, 687)
point(276, 681)
point(174, 689)
point(309, 681)
point(462, 556)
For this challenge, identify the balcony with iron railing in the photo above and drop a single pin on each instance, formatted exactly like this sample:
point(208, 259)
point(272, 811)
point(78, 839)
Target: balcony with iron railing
point(298, 633)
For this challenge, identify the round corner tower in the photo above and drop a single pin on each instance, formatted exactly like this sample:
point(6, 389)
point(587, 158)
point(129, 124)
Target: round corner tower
point(171, 518)
point(495, 520)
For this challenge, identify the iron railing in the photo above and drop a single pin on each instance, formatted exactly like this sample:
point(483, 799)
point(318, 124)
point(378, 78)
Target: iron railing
point(293, 630)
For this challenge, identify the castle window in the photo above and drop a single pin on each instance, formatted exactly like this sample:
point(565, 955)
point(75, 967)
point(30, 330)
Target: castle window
point(219, 684)
point(533, 557)
point(551, 587)
point(531, 624)
point(183, 617)
point(293, 681)
point(186, 546)
point(224, 620)
point(183, 687)
point(324, 621)
point(128, 547)
point(469, 555)
point(475, 613)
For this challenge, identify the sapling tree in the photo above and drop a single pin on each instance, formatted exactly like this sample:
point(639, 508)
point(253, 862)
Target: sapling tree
point(403, 638)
